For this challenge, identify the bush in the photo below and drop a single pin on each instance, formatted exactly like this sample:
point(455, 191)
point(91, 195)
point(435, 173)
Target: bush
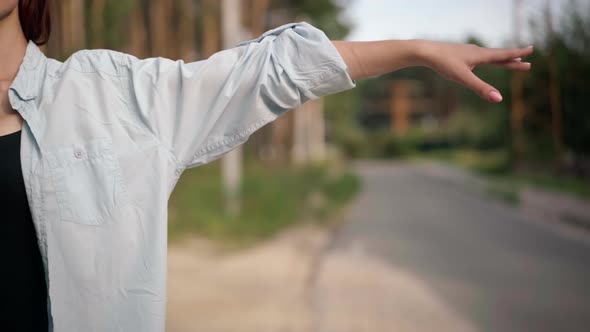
point(485, 130)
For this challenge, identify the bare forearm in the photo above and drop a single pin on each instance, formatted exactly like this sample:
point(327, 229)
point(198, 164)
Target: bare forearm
point(453, 61)
point(368, 59)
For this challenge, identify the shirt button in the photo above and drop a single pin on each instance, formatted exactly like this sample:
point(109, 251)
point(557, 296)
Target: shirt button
point(78, 154)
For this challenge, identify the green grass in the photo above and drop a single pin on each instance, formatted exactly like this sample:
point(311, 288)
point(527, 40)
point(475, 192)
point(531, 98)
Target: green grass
point(272, 198)
point(505, 183)
point(563, 184)
point(504, 191)
point(486, 162)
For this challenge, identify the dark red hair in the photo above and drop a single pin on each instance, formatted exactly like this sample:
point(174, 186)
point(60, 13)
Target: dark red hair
point(35, 20)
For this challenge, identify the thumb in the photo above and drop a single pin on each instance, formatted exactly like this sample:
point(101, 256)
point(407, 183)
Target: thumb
point(480, 87)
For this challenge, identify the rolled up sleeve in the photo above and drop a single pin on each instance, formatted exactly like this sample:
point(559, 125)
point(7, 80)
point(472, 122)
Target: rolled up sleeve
point(200, 110)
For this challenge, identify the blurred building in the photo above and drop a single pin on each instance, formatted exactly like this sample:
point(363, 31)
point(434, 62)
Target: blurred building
point(404, 105)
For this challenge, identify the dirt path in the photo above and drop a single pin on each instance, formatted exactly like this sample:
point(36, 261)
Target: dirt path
point(420, 250)
point(258, 289)
point(273, 288)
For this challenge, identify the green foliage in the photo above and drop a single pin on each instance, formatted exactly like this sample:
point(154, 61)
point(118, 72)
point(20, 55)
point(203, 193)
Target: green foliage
point(489, 129)
point(507, 192)
point(342, 189)
point(478, 125)
point(325, 14)
point(511, 184)
point(272, 199)
point(568, 47)
point(342, 129)
point(114, 18)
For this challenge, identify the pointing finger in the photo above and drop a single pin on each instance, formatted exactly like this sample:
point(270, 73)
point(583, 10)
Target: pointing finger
point(483, 89)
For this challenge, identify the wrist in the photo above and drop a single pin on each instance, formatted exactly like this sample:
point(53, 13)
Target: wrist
point(422, 51)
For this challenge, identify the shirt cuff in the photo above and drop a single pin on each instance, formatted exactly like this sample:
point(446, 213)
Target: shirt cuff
point(309, 58)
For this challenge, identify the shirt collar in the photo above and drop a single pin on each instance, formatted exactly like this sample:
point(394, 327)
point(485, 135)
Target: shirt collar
point(27, 82)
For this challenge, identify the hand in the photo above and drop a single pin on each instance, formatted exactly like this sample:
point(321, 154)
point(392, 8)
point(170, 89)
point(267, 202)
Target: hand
point(457, 61)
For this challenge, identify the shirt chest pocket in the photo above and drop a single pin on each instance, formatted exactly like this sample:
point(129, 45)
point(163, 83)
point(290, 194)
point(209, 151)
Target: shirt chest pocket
point(88, 181)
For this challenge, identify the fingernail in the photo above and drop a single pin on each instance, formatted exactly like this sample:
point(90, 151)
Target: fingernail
point(517, 59)
point(495, 97)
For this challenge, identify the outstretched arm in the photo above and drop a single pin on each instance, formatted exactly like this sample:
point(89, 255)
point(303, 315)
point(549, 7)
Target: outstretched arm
point(453, 61)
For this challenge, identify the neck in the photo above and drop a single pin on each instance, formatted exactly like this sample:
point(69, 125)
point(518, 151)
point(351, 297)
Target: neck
point(13, 45)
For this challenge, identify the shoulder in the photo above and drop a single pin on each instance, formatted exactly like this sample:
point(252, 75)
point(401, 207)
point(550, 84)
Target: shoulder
point(103, 61)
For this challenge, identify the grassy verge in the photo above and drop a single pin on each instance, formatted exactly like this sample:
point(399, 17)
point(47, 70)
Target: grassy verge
point(272, 199)
point(503, 182)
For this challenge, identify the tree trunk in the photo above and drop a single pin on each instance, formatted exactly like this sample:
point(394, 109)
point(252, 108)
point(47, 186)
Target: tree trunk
point(139, 43)
point(96, 19)
point(55, 45)
point(77, 25)
point(186, 31)
point(160, 21)
point(210, 31)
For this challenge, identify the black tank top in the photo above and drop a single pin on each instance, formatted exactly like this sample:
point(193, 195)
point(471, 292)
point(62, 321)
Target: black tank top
point(23, 300)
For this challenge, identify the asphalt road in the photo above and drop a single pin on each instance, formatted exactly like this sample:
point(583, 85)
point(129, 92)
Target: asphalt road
point(495, 269)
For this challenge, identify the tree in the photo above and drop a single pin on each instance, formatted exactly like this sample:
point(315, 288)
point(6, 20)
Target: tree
point(562, 64)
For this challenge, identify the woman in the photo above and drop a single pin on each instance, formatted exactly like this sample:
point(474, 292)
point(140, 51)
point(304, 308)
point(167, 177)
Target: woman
point(92, 148)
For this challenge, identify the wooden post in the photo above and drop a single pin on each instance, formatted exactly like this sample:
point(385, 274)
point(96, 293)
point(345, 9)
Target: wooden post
point(399, 107)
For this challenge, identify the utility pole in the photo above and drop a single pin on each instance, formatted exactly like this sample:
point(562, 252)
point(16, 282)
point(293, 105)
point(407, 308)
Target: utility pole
point(517, 84)
point(232, 161)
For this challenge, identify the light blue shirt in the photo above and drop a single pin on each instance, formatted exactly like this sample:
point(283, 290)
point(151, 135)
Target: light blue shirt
point(106, 137)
